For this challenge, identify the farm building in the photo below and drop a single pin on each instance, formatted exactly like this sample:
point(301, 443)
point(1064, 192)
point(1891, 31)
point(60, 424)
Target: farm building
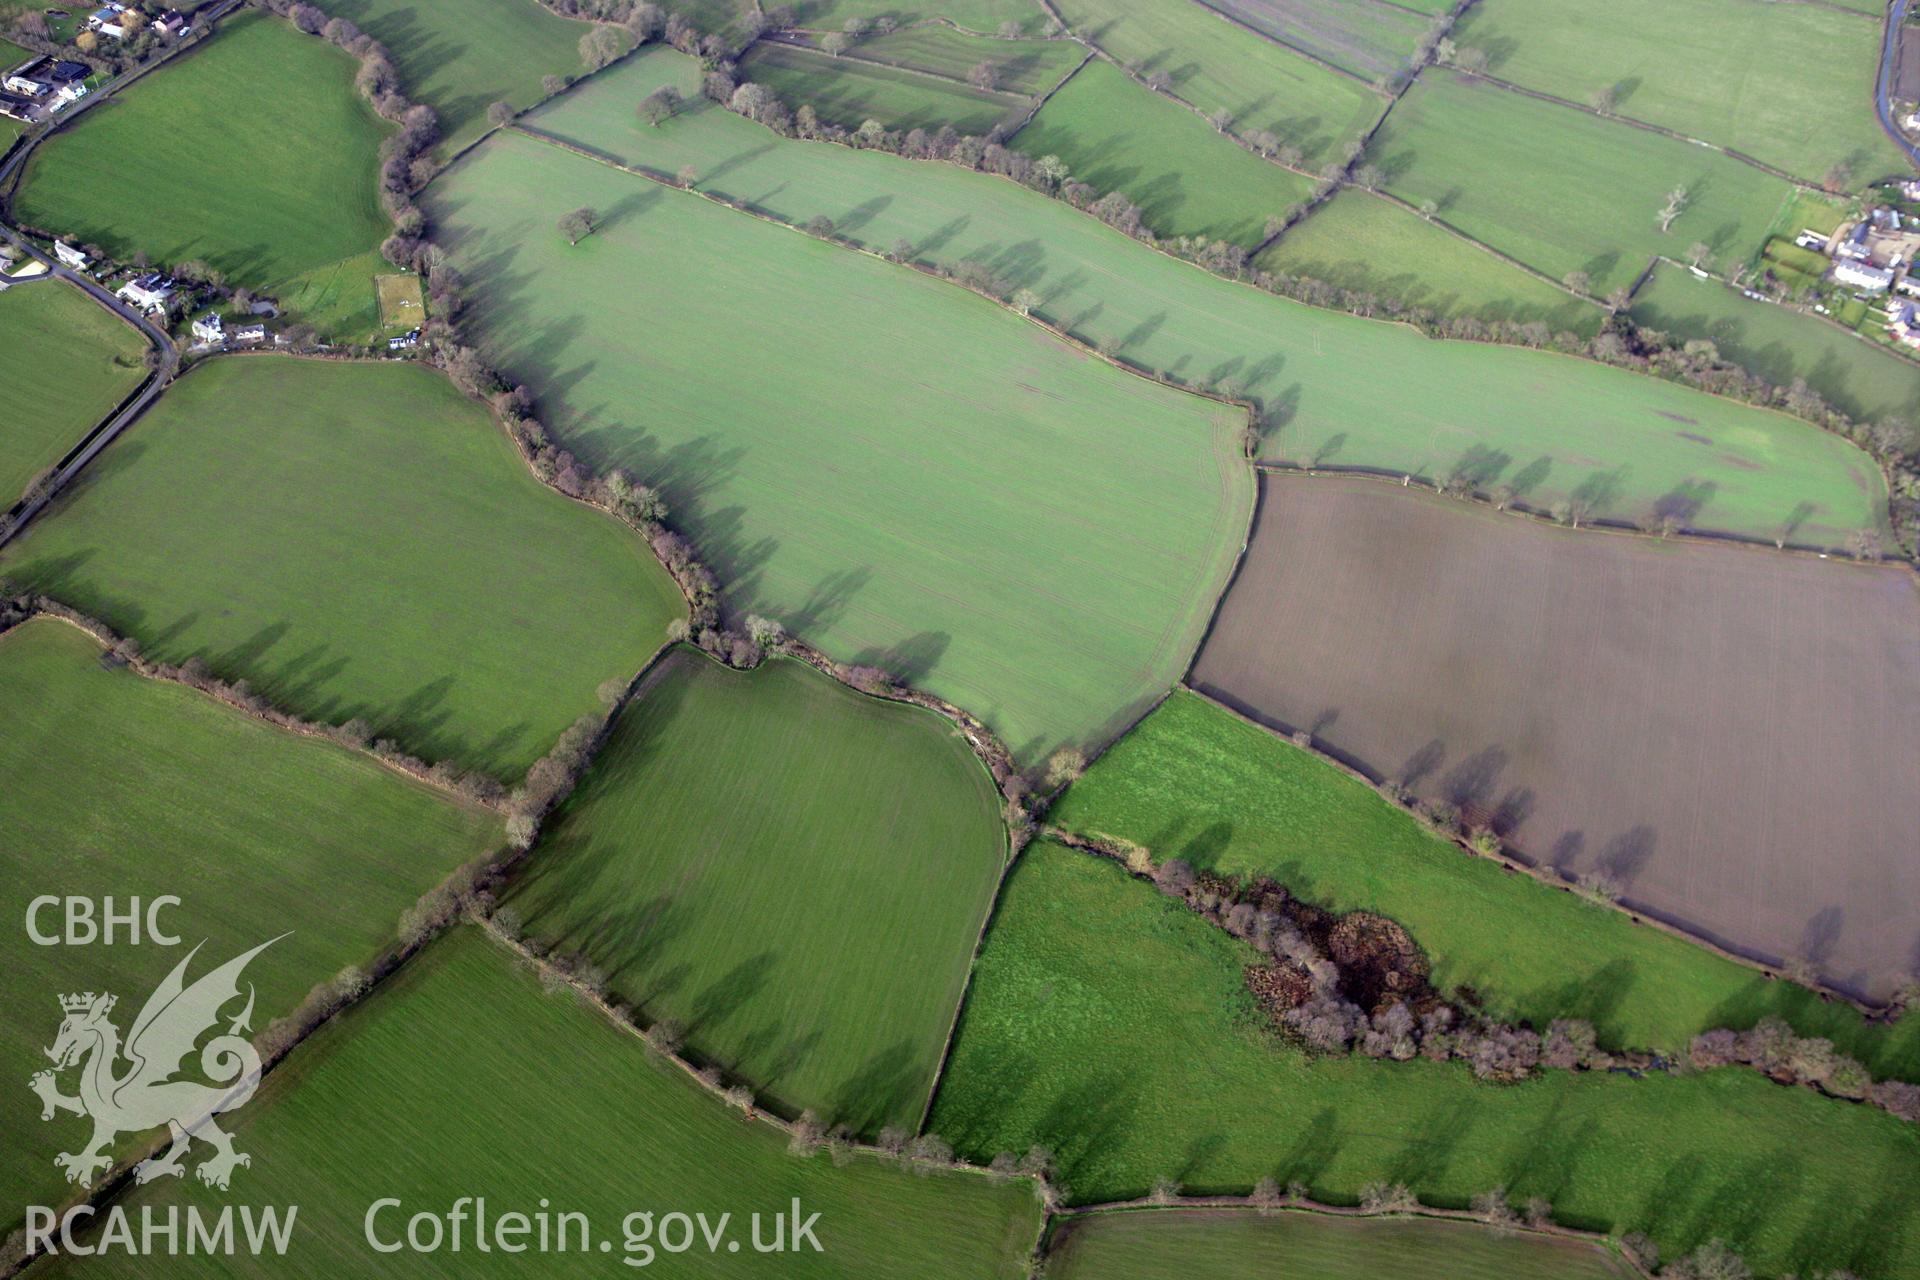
point(15, 105)
point(1855, 244)
point(30, 78)
point(107, 20)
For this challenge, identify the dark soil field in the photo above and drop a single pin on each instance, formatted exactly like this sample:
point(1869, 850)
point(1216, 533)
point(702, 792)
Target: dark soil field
point(1729, 734)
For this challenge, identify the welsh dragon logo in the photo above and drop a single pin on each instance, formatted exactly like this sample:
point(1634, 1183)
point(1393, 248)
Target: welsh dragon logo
point(144, 1094)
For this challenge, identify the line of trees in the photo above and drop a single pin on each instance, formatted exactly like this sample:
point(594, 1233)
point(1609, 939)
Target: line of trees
point(356, 733)
point(1323, 987)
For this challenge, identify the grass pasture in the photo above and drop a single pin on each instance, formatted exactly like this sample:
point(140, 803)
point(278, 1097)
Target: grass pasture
point(1218, 66)
point(850, 91)
point(1358, 241)
point(255, 830)
point(1023, 530)
point(1112, 1025)
point(277, 190)
point(1188, 180)
point(355, 540)
point(1029, 67)
point(11, 56)
point(461, 56)
point(793, 872)
point(1347, 391)
point(1788, 84)
point(403, 303)
point(1194, 781)
point(1562, 190)
point(1866, 381)
point(426, 1093)
point(1370, 39)
point(65, 361)
point(1228, 1244)
point(1732, 754)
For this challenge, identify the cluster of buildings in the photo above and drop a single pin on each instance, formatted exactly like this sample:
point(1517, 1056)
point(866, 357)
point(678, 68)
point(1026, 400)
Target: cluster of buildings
point(114, 21)
point(159, 296)
point(40, 86)
point(1876, 256)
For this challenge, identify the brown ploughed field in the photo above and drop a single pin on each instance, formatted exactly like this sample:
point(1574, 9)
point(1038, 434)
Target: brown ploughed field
point(1729, 733)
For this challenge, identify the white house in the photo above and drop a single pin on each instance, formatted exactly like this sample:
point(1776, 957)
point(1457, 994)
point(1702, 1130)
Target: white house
point(153, 293)
point(1862, 275)
point(209, 330)
point(171, 25)
point(71, 256)
point(248, 334)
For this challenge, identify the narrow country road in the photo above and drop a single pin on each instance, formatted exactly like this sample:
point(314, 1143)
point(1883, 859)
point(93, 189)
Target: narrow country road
point(1883, 89)
point(169, 357)
point(102, 435)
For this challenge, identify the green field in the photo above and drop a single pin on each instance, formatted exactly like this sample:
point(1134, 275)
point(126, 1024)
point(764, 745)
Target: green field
point(1789, 84)
point(356, 540)
point(1023, 66)
point(903, 473)
point(65, 361)
point(1217, 66)
point(792, 871)
point(1337, 389)
point(849, 92)
point(1358, 241)
point(1562, 190)
point(111, 784)
point(1229, 1244)
point(984, 16)
point(1187, 179)
point(1866, 381)
point(461, 56)
point(460, 1077)
point(277, 189)
point(1111, 1024)
point(1195, 782)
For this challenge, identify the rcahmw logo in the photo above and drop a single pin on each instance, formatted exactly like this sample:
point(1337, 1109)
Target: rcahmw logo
point(134, 1085)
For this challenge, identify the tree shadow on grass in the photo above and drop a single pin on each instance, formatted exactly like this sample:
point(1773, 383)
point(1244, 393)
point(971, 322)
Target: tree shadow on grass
point(889, 1085)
